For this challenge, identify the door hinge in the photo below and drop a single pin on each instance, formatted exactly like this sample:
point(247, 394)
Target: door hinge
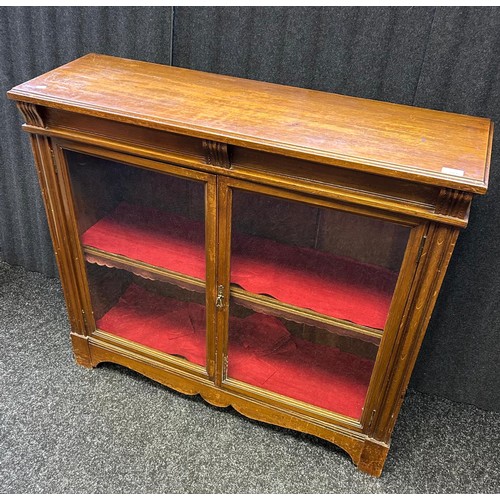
point(54, 162)
point(421, 248)
point(85, 322)
point(371, 418)
point(219, 302)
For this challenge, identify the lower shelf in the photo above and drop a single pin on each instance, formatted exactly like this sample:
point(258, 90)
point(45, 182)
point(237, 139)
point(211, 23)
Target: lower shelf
point(262, 352)
point(162, 323)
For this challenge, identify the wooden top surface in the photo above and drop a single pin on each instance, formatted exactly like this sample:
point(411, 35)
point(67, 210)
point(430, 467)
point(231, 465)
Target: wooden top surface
point(434, 147)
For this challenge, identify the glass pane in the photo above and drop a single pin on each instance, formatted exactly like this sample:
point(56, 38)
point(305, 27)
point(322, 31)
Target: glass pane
point(144, 234)
point(316, 285)
point(327, 369)
point(147, 216)
point(155, 314)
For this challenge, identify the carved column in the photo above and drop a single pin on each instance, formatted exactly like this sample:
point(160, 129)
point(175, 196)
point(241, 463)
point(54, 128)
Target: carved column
point(436, 255)
point(48, 178)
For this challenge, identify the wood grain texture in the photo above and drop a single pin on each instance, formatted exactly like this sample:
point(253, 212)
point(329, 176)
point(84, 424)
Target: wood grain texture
point(435, 257)
point(385, 138)
point(373, 457)
point(352, 187)
point(45, 165)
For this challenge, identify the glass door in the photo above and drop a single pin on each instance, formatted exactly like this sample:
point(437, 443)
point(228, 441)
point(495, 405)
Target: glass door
point(144, 235)
point(310, 290)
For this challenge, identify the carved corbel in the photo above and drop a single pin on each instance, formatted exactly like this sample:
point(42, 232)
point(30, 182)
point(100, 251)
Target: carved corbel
point(453, 203)
point(30, 114)
point(216, 153)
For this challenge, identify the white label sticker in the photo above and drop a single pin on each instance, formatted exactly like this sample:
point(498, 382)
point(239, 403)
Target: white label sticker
point(452, 171)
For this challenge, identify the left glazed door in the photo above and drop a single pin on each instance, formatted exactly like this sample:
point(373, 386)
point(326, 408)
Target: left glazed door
point(143, 229)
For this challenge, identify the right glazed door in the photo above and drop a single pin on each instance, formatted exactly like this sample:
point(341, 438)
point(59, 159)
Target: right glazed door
point(310, 292)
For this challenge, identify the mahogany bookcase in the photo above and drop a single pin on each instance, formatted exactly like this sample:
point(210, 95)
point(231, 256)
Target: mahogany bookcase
point(271, 248)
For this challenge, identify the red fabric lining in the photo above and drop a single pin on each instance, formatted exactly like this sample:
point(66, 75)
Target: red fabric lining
point(157, 238)
point(261, 350)
point(162, 323)
point(335, 286)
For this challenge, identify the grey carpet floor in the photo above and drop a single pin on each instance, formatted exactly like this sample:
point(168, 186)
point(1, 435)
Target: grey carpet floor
point(66, 429)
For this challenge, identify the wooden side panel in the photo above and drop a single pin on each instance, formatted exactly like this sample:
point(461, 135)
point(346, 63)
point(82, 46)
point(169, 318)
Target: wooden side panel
point(432, 267)
point(48, 177)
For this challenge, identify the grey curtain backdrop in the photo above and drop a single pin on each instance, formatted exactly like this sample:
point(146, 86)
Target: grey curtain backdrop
point(444, 58)
point(34, 40)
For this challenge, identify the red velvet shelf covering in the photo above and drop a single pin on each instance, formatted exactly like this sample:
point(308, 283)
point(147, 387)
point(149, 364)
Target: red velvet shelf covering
point(261, 350)
point(148, 235)
point(328, 284)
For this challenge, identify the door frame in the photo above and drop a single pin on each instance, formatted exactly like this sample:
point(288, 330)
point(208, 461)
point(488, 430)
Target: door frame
point(73, 241)
point(391, 337)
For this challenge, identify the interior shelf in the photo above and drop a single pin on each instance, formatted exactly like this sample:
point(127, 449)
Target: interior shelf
point(303, 281)
point(159, 239)
point(262, 352)
point(268, 305)
point(328, 284)
point(142, 269)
